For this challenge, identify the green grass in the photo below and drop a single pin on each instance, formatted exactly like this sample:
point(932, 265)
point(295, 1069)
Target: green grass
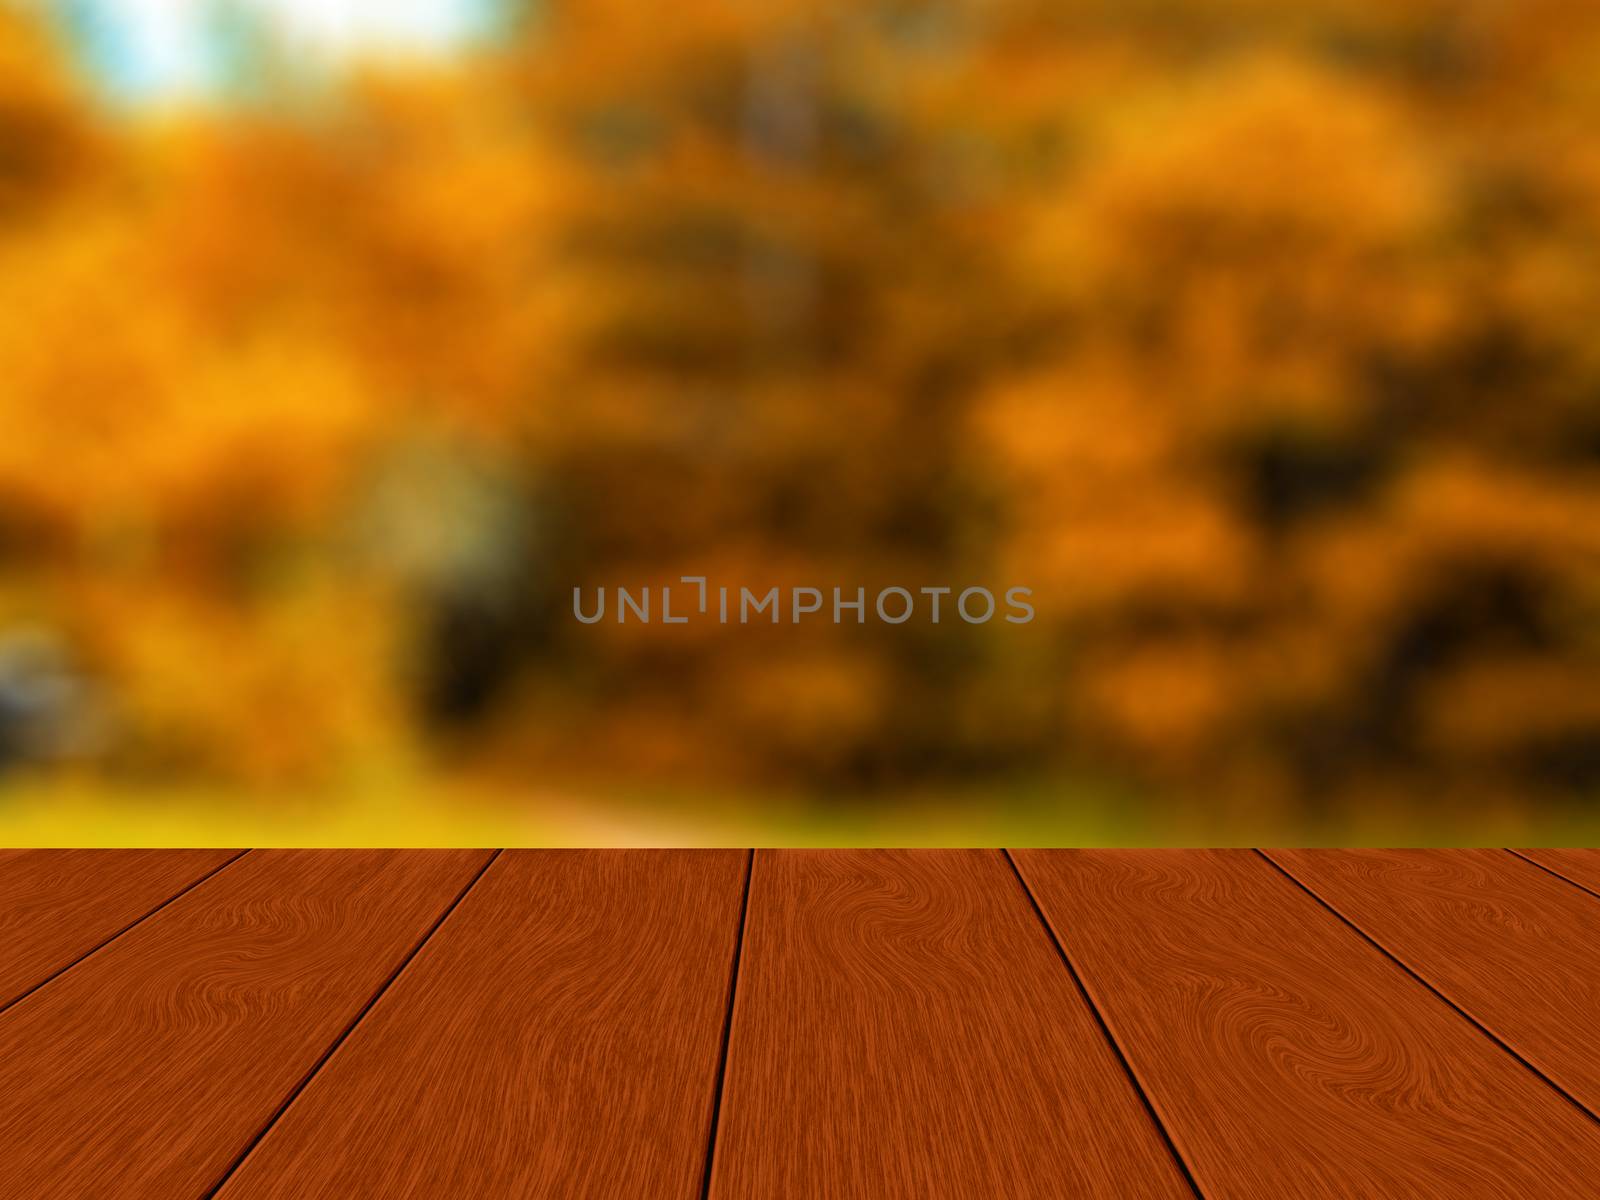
point(411, 811)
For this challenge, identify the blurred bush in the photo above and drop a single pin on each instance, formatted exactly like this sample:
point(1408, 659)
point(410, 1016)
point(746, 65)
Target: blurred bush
point(1257, 339)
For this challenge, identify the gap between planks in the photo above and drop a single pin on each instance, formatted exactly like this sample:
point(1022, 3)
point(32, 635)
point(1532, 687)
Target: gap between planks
point(1105, 1029)
point(294, 1093)
point(1421, 979)
point(131, 925)
point(1552, 871)
point(727, 1028)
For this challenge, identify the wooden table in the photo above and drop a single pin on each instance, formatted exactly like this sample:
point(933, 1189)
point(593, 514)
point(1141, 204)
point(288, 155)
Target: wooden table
point(660, 1024)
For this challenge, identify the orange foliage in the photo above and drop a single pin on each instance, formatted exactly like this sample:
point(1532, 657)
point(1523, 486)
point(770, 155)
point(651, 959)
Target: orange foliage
point(1256, 339)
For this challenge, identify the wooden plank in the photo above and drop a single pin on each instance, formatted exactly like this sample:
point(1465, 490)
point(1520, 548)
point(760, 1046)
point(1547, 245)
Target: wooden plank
point(1509, 944)
point(58, 905)
point(903, 1026)
point(560, 1037)
point(149, 1067)
point(1581, 867)
point(1285, 1054)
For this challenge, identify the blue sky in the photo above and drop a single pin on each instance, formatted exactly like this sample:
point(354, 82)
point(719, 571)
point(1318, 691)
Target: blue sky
point(154, 50)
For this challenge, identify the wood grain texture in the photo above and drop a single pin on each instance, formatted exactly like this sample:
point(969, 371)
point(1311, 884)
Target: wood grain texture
point(1509, 944)
point(903, 1027)
point(58, 905)
point(1286, 1056)
point(1581, 867)
point(559, 1037)
point(145, 1070)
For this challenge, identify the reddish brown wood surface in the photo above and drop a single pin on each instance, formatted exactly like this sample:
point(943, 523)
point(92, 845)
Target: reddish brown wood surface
point(404, 1023)
point(58, 905)
point(1512, 946)
point(904, 1027)
point(1286, 1056)
point(560, 1037)
point(147, 1069)
point(1581, 867)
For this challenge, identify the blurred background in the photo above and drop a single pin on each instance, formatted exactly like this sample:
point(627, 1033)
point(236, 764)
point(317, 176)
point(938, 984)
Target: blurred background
point(340, 342)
